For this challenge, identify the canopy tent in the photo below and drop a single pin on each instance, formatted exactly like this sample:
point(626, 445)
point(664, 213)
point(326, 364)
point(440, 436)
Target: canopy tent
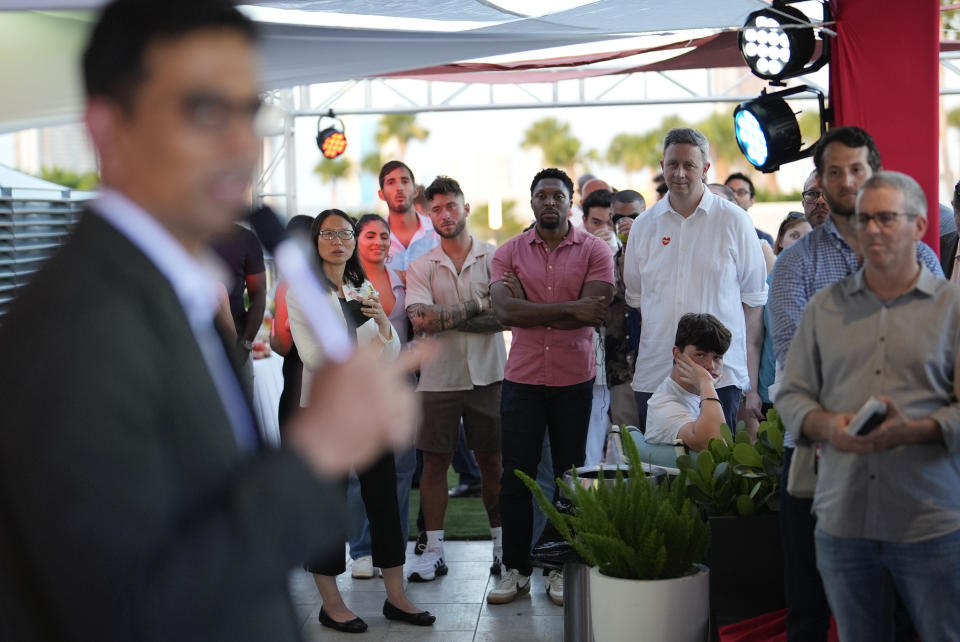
point(40, 48)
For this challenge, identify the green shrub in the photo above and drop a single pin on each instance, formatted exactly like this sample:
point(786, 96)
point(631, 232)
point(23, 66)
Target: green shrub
point(632, 529)
point(734, 477)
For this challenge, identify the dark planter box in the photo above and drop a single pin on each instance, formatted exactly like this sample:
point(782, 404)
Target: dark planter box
point(746, 567)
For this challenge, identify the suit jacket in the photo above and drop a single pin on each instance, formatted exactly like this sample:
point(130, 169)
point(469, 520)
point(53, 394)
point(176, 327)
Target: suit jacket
point(948, 252)
point(126, 510)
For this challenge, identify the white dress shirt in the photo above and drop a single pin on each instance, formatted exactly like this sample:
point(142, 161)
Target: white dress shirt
point(710, 262)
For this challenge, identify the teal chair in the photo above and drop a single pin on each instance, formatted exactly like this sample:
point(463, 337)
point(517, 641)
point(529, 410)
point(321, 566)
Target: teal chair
point(658, 454)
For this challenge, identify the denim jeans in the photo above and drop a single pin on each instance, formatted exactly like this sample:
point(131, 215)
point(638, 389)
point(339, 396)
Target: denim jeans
point(527, 413)
point(358, 527)
point(808, 614)
point(862, 578)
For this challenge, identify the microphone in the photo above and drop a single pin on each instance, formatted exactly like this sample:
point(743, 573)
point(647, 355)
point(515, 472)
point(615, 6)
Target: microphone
point(294, 266)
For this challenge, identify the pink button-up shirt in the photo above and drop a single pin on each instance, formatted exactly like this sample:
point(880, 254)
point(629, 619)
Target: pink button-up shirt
point(541, 355)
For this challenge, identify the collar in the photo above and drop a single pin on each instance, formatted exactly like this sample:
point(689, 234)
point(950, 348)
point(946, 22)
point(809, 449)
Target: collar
point(926, 283)
point(574, 236)
point(477, 249)
point(424, 227)
point(703, 205)
point(191, 279)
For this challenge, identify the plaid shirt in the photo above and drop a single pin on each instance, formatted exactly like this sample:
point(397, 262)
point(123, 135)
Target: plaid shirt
point(817, 260)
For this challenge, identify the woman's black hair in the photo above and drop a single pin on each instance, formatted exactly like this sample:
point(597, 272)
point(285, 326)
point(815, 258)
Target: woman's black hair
point(353, 271)
point(366, 219)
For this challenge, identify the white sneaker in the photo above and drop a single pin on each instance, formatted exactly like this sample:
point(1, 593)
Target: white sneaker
point(554, 586)
point(362, 568)
point(510, 586)
point(496, 568)
point(427, 566)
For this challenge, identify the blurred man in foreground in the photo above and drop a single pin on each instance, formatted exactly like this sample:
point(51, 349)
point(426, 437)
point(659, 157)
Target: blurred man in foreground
point(136, 502)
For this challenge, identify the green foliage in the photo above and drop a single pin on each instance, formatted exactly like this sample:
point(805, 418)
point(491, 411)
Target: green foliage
point(512, 225)
point(733, 476)
point(631, 529)
point(71, 179)
point(401, 127)
point(560, 148)
point(371, 163)
point(332, 170)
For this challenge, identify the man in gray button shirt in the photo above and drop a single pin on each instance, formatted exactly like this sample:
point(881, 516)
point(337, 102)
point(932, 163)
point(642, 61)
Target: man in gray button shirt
point(887, 503)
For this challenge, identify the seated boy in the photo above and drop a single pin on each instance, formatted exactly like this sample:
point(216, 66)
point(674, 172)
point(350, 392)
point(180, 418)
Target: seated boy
point(685, 406)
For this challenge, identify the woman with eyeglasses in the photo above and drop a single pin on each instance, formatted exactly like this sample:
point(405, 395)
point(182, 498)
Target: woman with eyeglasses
point(334, 237)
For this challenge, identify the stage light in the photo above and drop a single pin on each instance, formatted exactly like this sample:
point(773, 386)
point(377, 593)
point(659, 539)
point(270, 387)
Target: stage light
point(332, 139)
point(778, 42)
point(767, 130)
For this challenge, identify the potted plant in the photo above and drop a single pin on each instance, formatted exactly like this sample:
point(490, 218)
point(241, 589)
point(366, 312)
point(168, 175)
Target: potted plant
point(736, 484)
point(644, 541)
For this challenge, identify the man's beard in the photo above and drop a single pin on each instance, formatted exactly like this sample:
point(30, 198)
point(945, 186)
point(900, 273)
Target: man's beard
point(837, 209)
point(456, 231)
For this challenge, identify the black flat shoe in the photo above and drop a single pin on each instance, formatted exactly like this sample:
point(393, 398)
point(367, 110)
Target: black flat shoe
point(423, 618)
point(356, 625)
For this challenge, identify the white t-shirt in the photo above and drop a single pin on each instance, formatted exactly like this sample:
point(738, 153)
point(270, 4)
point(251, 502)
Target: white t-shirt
point(708, 262)
point(669, 409)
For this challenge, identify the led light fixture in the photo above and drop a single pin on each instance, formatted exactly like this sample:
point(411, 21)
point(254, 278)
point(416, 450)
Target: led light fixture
point(767, 130)
point(778, 42)
point(331, 136)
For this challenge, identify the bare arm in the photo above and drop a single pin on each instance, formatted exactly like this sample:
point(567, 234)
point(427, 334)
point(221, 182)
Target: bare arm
point(257, 291)
point(431, 319)
point(281, 340)
point(589, 310)
point(697, 434)
point(754, 322)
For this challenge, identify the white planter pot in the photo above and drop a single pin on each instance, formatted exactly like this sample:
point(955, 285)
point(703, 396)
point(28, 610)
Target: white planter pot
point(677, 610)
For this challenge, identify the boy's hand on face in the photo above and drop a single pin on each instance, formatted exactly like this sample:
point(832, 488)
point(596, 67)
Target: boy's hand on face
point(692, 374)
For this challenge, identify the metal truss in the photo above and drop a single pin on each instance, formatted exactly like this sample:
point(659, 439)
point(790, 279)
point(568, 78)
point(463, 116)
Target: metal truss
point(375, 96)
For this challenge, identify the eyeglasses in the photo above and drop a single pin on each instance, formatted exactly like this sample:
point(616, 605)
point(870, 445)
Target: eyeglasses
point(329, 235)
point(212, 112)
point(883, 219)
point(811, 196)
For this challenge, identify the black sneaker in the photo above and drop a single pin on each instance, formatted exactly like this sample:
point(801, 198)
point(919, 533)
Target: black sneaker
point(421, 544)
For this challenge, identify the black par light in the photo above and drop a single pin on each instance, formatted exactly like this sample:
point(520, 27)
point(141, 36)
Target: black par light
point(767, 130)
point(331, 136)
point(778, 42)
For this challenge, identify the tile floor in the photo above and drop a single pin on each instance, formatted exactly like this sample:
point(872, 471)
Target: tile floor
point(457, 599)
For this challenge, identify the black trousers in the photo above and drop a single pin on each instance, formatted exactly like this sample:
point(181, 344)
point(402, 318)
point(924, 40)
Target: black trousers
point(526, 412)
point(378, 487)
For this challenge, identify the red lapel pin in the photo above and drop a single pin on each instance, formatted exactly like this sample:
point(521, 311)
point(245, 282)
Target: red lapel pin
point(665, 240)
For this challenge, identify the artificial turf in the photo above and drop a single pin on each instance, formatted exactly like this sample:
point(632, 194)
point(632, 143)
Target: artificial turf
point(465, 519)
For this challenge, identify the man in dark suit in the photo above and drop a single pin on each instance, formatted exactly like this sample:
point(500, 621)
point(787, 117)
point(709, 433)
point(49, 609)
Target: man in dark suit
point(135, 500)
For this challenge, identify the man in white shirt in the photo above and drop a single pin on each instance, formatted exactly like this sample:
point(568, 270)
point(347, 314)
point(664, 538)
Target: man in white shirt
point(695, 252)
point(685, 406)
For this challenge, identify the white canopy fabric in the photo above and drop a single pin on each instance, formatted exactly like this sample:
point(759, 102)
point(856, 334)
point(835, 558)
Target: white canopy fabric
point(40, 49)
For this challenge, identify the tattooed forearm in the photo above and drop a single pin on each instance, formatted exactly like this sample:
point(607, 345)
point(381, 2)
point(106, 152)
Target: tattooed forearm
point(484, 322)
point(431, 319)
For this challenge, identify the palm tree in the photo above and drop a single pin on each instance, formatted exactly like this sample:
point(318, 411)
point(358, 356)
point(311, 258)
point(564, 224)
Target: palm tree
point(629, 151)
point(401, 127)
point(558, 146)
point(371, 163)
point(332, 170)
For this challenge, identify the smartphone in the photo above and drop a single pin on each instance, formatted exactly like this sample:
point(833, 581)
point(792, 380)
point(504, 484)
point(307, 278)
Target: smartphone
point(871, 414)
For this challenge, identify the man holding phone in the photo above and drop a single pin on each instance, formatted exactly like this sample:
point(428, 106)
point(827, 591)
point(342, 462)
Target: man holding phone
point(888, 502)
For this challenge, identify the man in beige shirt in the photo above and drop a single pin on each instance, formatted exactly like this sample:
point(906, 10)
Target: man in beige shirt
point(448, 297)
